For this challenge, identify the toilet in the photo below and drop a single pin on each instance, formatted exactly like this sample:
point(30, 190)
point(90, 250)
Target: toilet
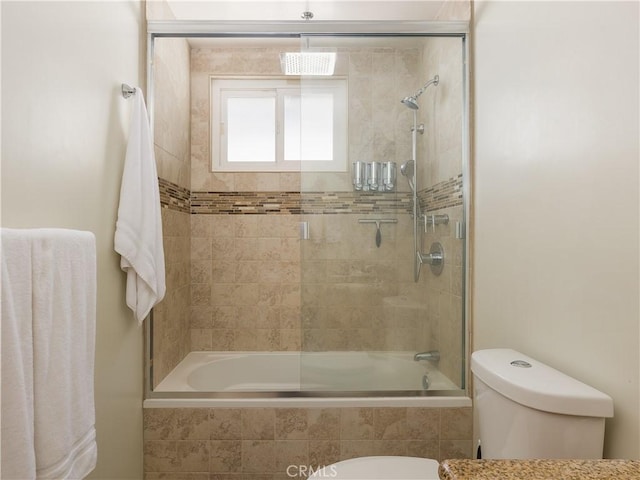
point(524, 409)
point(380, 468)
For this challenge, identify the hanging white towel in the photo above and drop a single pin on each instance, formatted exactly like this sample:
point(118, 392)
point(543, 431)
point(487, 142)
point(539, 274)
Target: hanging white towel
point(64, 322)
point(18, 454)
point(53, 299)
point(138, 235)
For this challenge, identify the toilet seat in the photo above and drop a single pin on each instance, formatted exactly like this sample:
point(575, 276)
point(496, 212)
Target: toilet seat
point(380, 468)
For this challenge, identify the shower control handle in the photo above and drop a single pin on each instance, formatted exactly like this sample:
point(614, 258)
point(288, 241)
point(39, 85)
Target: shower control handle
point(435, 258)
point(432, 258)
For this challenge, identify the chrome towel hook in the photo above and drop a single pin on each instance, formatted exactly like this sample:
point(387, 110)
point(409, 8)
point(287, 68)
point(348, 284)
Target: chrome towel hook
point(127, 91)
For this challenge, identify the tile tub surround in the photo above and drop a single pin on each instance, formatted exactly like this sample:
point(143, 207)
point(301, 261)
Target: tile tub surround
point(236, 233)
point(172, 148)
point(171, 317)
point(241, 443)
point(444, 294)
point(540, 469)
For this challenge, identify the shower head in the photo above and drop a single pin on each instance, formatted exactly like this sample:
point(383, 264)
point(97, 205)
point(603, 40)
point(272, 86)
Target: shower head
point(408, 170)
point(412, 102)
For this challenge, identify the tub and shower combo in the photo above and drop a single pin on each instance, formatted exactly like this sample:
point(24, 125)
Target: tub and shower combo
point(333, 286)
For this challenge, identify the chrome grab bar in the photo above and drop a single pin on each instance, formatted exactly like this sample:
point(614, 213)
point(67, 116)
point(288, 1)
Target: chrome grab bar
point(433, 220)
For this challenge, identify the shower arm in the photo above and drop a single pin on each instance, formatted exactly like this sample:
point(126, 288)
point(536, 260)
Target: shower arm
point(434, 81)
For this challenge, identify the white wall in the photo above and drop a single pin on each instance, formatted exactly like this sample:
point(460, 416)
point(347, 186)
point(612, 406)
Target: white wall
point(64, 128)
point(556, 193)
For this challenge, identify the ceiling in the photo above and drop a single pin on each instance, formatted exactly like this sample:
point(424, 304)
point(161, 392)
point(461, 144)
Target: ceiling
point(291, 10)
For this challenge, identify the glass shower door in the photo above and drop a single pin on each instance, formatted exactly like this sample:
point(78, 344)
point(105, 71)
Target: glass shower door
point(363, 316)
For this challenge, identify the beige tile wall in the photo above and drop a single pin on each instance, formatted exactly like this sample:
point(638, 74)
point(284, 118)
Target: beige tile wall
point(171, 316)
point(441, 111)
point(172, 150)
point(260, 443)
point(442, 297)
point(172, 107)
point(378, 123)
point(249, 275)
point(254, 286)
point(245, 290)
point(440, 148)
point(350, 287)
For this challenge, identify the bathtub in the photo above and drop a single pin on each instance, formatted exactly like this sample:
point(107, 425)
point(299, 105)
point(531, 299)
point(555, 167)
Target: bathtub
point(294, 379)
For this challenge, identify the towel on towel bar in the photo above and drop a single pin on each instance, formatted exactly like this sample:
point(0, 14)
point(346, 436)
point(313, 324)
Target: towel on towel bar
point(138, 237)
point(18, 458)
point(58, 278)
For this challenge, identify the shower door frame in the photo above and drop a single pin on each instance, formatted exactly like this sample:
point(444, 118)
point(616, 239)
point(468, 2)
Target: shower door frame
point(298, 29)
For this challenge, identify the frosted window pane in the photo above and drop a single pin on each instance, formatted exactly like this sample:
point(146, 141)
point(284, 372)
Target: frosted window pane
point(291, 127)
point(308, 127)
point(251, 129)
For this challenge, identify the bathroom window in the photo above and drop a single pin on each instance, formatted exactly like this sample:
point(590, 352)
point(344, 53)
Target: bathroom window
point(278, 125)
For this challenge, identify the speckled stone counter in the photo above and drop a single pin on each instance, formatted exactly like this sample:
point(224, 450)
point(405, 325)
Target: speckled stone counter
point(540, 470)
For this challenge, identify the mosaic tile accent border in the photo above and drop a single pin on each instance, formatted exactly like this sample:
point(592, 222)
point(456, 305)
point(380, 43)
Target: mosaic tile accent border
point(174, 197)
point(355, 202)
point(242, 203)
point(442, 195)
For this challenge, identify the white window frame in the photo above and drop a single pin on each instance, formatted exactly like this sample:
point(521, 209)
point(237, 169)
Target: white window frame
point(220, 87)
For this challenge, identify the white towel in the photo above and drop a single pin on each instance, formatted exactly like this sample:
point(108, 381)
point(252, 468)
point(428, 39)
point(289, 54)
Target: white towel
point(61, 268)
point(138, 235)
point(64, 322)
point(18, 454)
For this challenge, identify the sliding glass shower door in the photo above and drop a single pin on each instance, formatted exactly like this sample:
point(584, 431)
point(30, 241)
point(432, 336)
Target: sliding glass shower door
point(364, 316)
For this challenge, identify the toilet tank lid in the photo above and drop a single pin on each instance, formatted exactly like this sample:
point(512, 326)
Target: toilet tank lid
point(538, 385)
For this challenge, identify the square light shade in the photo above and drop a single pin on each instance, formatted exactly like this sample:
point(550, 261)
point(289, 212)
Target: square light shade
point(308, 63)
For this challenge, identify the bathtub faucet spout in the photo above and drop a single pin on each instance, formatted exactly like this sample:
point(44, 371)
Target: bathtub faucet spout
point(432, 355)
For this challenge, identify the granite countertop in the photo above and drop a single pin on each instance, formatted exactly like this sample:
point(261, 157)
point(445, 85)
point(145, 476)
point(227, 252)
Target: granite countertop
point(540, 470)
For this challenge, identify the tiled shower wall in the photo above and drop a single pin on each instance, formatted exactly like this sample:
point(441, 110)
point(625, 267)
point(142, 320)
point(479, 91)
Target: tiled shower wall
point(273, 443)
point(348, 298)
point(257, 286)
point(245, 272)
point(378, 123)
point(171, 322)
point(248, 280)
point(442, 113)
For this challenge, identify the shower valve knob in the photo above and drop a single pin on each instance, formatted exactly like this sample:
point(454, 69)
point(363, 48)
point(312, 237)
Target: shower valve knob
point(435, 258)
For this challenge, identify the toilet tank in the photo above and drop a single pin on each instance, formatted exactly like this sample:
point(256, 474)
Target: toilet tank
point(525, 409)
